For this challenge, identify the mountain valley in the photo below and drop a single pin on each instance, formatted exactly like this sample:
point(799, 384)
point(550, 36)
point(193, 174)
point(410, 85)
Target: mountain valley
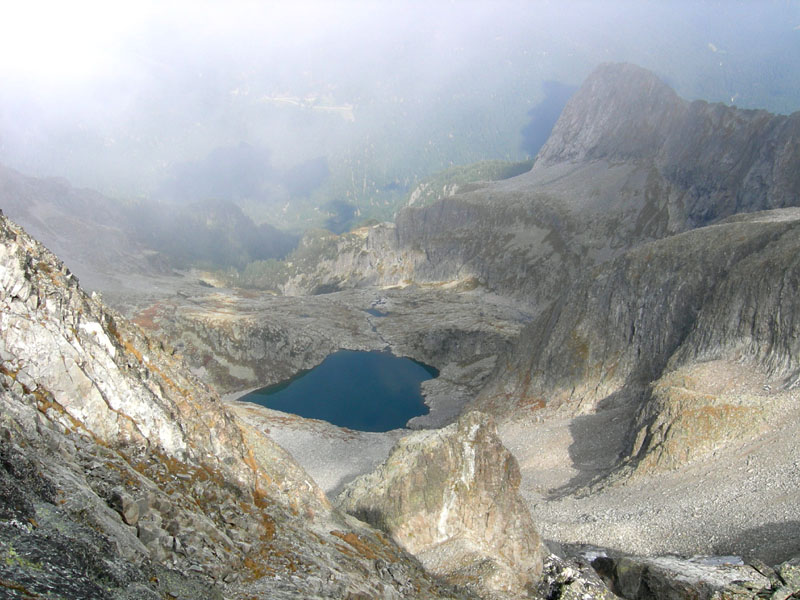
point(618, 341)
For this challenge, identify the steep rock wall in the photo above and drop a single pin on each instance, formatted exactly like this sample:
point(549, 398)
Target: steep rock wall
point(720, 293)
point(619, 324)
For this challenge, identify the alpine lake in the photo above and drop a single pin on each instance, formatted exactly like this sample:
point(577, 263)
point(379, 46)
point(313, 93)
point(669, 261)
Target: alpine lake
point(365, 391)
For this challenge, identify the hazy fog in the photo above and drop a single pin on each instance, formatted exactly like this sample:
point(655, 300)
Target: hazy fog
point(287, 107)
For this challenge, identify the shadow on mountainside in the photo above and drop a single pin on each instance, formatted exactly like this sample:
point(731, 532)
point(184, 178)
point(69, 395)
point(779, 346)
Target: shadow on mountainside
point(772, 543)
point(599, 439)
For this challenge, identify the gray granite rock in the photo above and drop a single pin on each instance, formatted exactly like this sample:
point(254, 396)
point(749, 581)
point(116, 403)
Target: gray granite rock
point(450, 498)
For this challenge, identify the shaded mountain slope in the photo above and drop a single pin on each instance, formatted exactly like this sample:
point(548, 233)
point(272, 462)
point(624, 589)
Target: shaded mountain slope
point(211, 233)
point(107, 241)
point(669, 353)
point(84, 227)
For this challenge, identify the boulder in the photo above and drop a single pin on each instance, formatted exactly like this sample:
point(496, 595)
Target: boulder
point(789, 572)
point(125, 506)
point(564, 579)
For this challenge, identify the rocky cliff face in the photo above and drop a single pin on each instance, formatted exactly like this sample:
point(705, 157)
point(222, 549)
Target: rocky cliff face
point(450, 498)
point(123, 476)
point(738, 368)
point(695, 333)
point(619, 324)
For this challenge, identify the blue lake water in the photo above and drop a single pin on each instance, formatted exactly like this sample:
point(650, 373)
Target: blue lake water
point(367, 391)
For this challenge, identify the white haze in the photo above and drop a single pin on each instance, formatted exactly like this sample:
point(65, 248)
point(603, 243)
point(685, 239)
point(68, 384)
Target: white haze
point(117, 95)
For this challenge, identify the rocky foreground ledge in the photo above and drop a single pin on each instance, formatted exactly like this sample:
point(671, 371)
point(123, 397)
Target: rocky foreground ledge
point(123, 476)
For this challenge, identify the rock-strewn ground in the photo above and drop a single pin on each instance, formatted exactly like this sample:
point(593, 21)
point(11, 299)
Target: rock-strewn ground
point(741, 500)
point(332, 455)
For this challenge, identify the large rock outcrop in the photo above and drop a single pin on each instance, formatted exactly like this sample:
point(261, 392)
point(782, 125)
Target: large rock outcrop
point(122, 475)
point(711, 160)
point(450, 498)
point(703, 578)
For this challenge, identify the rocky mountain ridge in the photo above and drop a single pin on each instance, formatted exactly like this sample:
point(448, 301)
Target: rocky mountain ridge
point(627, 162)
point(714, 160)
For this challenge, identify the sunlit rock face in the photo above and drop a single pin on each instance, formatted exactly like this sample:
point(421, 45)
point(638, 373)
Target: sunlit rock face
point(450, 497)
point(122, 475)
point(70, 345)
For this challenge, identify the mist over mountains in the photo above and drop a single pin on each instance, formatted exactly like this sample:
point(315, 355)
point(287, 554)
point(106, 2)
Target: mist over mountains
point(328, 113)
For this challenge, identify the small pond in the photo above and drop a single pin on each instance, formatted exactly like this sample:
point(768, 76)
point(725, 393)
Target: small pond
point(367, 391)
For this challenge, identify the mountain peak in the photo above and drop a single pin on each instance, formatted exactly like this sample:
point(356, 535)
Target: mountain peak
point(622, 111)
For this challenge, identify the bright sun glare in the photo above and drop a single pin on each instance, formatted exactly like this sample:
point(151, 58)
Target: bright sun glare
point(72, 41)
point(57, 41)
